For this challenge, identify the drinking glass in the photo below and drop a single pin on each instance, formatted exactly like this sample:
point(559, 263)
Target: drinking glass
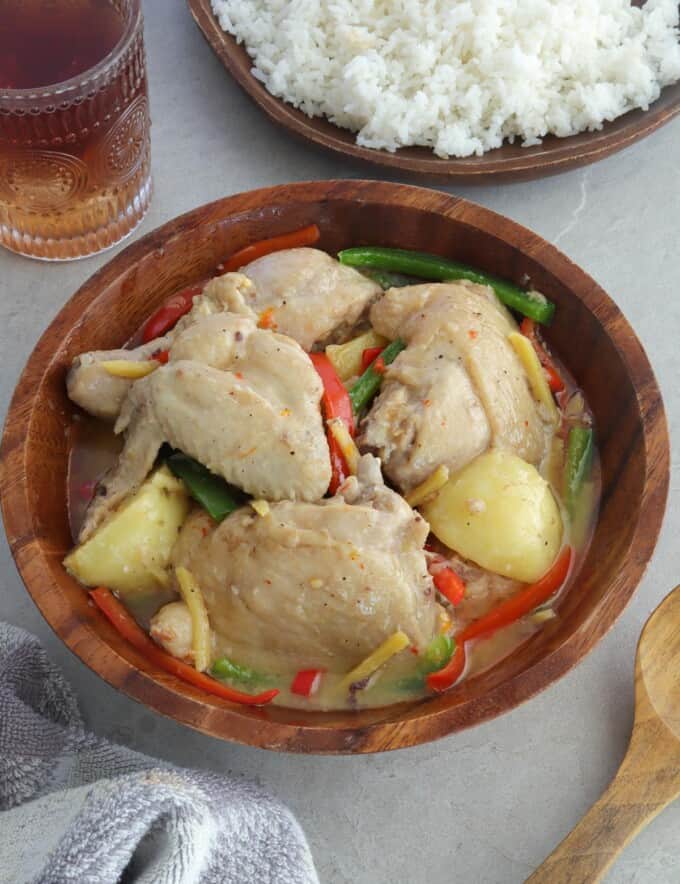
point(75, 175)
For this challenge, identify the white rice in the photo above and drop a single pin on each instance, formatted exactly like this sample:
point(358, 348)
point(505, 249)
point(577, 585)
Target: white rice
point(458, 76)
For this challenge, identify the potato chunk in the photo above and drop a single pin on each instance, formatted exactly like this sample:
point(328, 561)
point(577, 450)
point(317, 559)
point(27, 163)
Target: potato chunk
point(500, 513)
point(130, 552)
point(346, 358)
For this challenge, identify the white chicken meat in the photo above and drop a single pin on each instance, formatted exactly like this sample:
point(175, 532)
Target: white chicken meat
point(309, 296)
point(456, 390)
point(314, 584)
point(242, 401)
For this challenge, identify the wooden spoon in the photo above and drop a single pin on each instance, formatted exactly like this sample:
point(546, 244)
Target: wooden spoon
point(649, 776)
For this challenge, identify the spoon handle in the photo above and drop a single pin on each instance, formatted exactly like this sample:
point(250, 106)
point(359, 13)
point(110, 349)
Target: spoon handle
point(647, 781)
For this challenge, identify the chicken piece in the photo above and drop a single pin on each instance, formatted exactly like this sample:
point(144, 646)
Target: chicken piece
point(173, 629)
point(314, 584)
point(458, 388)
point(94, 389)
point(311, 295)
point(242, 401)
point(100, 394)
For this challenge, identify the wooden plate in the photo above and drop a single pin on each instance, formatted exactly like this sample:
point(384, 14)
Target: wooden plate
point(507, 163)
point(608, 363)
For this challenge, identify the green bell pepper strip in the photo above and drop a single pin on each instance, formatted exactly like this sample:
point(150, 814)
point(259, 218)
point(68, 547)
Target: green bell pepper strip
point(388, 280)
point(226, 669)
point(411, 683)
point(211, 491)
point(369, 383)
point(426, 266)
point(438, 653)
point(436, 656)
point(578, 462)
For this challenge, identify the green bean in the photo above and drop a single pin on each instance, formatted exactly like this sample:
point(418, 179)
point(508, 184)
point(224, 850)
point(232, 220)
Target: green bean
point(426, 266)
point(578, 462)
point(211, 491)
point(369, 383)
point(226, 669)
point(411, 683)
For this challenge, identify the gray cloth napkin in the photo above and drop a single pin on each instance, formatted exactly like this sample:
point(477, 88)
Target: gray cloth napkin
point(76, 808)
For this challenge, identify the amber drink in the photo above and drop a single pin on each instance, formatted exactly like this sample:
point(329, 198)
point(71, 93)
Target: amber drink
point(75, 173)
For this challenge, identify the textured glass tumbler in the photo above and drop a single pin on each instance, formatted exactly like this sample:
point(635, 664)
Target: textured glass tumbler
point(75, 172)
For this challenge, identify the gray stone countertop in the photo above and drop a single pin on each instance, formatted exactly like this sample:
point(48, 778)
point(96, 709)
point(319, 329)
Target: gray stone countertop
point(486, 805)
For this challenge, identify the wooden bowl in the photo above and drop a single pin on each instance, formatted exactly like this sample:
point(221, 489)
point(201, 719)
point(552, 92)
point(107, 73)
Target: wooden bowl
point(508, 163)
point(590, 333)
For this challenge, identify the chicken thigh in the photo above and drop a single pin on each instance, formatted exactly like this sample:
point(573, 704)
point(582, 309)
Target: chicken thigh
point(457, 389)
point(242, 401)
point(313, 298)
point(314, 584)
point(310, 297)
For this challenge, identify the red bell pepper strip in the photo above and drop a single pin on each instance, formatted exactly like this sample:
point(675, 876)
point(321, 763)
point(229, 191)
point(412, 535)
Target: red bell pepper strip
point(449, 584)
point(128, 627)
point(161, 356)
point(369, 354)
point(335, 402)
point(555, 382)
point(339, 468)
point(524, 601)
point(168, 313)
point(306, 236)
point(306, 682)
point(442, 679)
point(86, 490)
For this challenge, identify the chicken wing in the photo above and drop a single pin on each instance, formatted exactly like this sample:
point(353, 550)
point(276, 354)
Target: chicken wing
point(310, 297)
point(242, 401)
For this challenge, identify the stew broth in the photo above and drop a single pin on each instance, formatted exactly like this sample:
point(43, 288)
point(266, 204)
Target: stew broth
point(95, 449)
